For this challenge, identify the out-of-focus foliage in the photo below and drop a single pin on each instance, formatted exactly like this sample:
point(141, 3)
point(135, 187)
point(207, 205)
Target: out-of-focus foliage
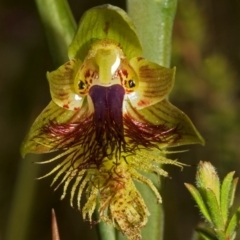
point(207, 83)
point(207, 88)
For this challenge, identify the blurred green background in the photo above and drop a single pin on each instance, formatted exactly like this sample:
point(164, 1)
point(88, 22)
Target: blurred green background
point(207, 55)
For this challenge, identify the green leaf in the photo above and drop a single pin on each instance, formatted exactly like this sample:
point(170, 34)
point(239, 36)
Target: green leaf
point(220, 235)
point(232, 195)
point(205, 234)
point(233, 224)
point(105, 22)
point(176, 128)
point(197, 197)
point(214, 210)
point(225, 195)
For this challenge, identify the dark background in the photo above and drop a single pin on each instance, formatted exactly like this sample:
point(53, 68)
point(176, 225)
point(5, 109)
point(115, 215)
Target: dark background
point(206, 52)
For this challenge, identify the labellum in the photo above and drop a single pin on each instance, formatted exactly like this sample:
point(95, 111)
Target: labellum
point(109, 116)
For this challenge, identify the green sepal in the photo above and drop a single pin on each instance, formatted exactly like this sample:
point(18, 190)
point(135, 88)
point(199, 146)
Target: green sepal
point(198, 198)
point(105, 22)
point(165, 114)
point(233, 224)
point(225, 197)
point(38, 141)
point(214, 209)
point(206, 234)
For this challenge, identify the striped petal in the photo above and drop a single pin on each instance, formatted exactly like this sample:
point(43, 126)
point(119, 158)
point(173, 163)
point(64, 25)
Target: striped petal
point(51, 129)
point(161, 124)
point(155, 83)
point(61, 83)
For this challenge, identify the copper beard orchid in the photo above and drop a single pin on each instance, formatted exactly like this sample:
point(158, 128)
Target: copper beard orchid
point(110, 116)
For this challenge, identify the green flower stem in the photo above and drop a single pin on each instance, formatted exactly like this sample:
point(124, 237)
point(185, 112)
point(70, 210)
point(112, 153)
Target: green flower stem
point(153, 20)
point(59, 26)
point(22, 204)
point(106, 232)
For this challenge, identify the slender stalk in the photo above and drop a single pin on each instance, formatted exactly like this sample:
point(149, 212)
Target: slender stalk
point(22, 204)
point(106, 232)
point(154, 21)
point(59, 26)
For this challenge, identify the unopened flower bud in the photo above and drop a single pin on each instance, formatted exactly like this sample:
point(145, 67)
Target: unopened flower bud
point(207, 178)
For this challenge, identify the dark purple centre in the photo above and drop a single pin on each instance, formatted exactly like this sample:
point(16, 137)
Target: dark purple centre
point(108, 117)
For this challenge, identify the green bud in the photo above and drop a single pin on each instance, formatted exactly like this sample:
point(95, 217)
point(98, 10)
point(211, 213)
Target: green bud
point(207, 178)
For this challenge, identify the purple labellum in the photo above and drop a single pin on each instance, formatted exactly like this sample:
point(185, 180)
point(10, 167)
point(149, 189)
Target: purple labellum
point(108, 117)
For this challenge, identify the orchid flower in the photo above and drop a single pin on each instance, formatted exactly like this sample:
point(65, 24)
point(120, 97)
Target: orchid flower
point(110, 117)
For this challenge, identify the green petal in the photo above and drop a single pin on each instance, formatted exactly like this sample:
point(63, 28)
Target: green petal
point(105, 22)
point(37, 141)
point(61, 83)
point(155, 82)
point(177, 127)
